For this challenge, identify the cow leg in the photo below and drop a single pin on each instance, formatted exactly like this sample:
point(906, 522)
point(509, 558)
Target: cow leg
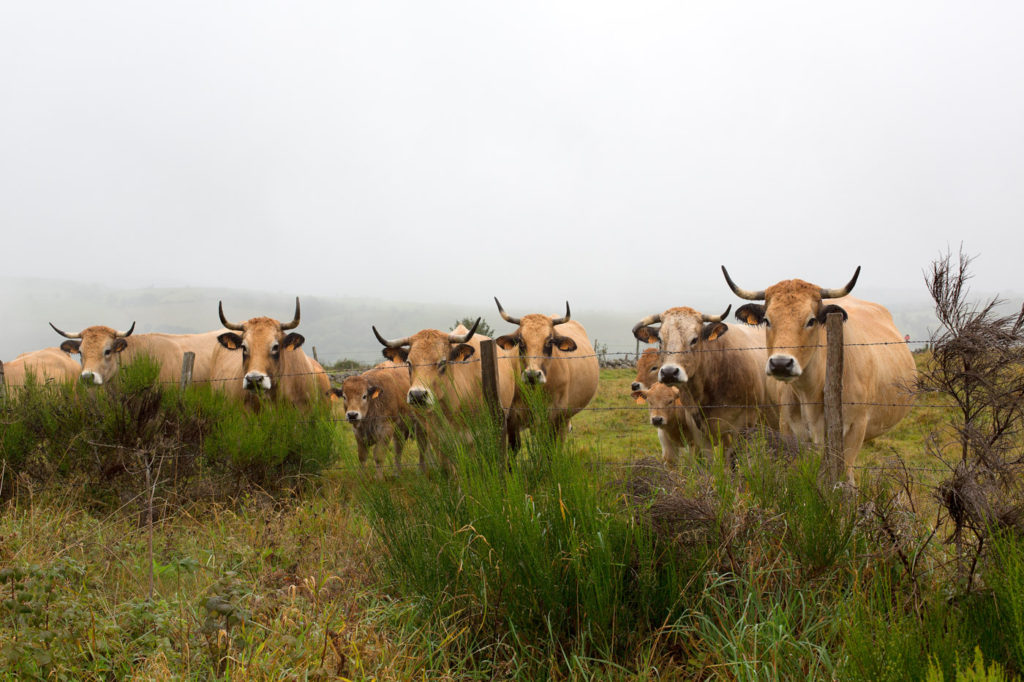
point(670, 448)
point(853, 439)
point(398, 443)
point(380, 454)
point(362, 451)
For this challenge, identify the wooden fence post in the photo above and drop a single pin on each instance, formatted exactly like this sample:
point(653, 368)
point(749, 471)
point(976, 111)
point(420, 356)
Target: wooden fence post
point(833, 466)
point(3, 386)
point(314, 354)
point(187, 362)
point(489, 374)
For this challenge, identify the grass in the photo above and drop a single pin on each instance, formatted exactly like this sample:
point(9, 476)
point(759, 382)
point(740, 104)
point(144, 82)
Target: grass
point(545, 572)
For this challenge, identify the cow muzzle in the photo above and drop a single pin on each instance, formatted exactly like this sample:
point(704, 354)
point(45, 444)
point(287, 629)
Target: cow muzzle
point(353, 416)
point(256, 380)
point(419, 397)
point(672, 375)
point(783, 367)
point(637, 386)
point(91, 377)
point(534, 376)
point(657, 421)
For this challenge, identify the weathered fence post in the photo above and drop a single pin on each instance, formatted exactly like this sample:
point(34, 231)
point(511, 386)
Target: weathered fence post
point(489, 374)
point(314, 354)
point(3, 386)
point(187, 362)
point(832, 463)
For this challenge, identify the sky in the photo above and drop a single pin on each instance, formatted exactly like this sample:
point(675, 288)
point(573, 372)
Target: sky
point(612, 154)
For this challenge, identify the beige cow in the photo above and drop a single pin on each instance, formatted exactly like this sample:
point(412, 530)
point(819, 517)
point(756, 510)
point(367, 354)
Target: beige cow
point(878, 368)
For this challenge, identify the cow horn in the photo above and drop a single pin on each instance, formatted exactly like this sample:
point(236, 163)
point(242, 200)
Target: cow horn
point(295, 321)
point(562, 320)
point(505, 316)
point(742, 293)
point(224, 320)
point(127, 333)
point(463, 338)
point(717, 318)
point(650, 319)
point(65, 334)
point(397, 343)
point(839, 293)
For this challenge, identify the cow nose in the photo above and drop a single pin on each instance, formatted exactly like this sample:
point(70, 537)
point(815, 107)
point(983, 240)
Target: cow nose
point(669, 374)
point(417, 396)
point(352, 416)
point(636, 386)
point(781, 364)
point(88, 377)
point(657, 421)
point(533, 376)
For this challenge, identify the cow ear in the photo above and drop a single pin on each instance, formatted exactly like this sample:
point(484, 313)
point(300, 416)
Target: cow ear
point(373, 392)
point(336, 393)
point(832, 308)
point(639, 396)
point(751, 313)
point(119, 345)
point(461, 353)
point(647, 335)
point(230, 340)
point(70, 347)
point(400, 354)
point(507, 342)
point(565, 344)
point(713, 330)
point(293, 341)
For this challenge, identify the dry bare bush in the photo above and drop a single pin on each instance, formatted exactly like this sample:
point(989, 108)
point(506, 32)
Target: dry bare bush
point(978, 363)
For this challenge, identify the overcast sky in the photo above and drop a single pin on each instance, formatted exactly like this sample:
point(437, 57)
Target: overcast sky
point(609, 153)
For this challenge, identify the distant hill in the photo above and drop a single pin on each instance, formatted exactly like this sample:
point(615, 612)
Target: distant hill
point(339, 327)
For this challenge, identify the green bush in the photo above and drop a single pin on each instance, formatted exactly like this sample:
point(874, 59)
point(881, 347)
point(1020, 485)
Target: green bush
point(109, 434)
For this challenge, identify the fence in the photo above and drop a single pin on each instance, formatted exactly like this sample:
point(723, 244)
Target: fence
point(832, 460)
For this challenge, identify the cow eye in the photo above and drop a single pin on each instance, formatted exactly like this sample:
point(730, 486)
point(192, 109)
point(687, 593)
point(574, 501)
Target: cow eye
point(767, 322)
point(655, 369)
point(364, 396)
point(693, 341)
point(810, 323)
point(106, 352)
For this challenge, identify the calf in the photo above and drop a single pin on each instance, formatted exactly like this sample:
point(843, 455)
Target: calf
point(673, 414)
point(647, 370)
point(374, 404)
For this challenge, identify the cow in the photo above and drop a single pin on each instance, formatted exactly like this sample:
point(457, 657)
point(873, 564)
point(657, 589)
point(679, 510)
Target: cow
point(646, 370)
point(443, 373)
point(878, 368)
point(102, 350)
point(554, 355)
point(46, 366)
point(674, 415)
point(718, 366)
point(374, 403)
point(271, 362)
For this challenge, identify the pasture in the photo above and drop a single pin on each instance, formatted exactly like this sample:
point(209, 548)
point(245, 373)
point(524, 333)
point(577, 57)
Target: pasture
point(582, 561)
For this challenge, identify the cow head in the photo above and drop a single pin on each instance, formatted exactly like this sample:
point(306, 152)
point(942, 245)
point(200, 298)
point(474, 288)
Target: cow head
point(682, 332)
point(794, 315)
point(665, 402)
point(356, 393)
point(537, 341)
point(100, 350)
point(262, 341)
point(647, 369)
point(427, 354)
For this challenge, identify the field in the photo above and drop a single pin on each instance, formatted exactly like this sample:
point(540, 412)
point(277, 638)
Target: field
point(583, 562)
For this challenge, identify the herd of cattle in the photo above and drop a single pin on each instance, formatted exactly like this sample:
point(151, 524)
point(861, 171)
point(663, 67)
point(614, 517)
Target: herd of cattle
point(704, 381)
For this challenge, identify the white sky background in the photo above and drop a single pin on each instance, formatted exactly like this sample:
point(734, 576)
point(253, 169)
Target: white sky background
point(614, 154)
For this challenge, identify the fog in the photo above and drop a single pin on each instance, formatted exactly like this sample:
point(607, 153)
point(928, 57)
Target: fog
point(612, 154)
